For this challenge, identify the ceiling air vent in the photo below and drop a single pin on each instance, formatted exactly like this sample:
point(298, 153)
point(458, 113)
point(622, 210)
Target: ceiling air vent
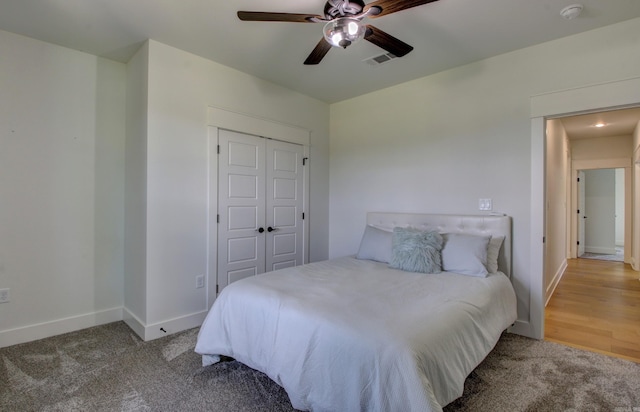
point(380, 59)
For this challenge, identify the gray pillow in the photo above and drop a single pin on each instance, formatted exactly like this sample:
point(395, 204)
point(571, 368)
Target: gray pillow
point(493, 251)
point(465, 254)
point(415, 250)
point(375, 245)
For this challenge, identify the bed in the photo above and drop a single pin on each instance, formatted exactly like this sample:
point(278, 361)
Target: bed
point(364, 332)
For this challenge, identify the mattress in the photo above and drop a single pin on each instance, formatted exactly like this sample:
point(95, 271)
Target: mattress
point(350, 334)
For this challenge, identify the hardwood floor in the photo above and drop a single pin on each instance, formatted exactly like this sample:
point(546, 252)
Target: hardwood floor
point(596, 306)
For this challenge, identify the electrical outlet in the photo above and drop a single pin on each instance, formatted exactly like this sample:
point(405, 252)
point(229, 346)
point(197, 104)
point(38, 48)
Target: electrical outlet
point(199, 281)
point(4, 295)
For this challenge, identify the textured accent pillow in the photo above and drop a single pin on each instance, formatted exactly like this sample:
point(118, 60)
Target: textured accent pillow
point(375, 245)
point(465, 254)
point(415, 250)
point(493, 250)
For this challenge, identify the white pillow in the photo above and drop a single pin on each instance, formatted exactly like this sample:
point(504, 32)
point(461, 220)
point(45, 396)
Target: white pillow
point(375, 245)
point(465, 254)
point(493, 250)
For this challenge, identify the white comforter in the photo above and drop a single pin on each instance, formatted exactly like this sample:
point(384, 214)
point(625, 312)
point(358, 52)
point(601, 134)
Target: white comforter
point(354, 335)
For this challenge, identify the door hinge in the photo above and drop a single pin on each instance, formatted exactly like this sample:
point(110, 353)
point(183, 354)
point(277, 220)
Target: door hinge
point(578, 242)
point(578, 179)
point(217, 288)
point(218, 218)
point(302, 215)
point(304, 161)
point(218, 149)
point(578, 211)
point(544, 239)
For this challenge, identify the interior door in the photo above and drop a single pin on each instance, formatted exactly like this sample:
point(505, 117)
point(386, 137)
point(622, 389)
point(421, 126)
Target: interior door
point(600, 202)
point(581, 212)
point(241, 204)
point(260, 205)
point(284, 197)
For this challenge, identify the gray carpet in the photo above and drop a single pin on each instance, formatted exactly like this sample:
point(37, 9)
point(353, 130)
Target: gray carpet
point(108, 368)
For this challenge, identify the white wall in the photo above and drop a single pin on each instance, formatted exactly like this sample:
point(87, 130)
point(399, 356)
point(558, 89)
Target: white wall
point(180, 88)
point(599, 148)
point(63, 120)
point(558, 171)
point(439, 143)
point(135, 218)
point(62, 143)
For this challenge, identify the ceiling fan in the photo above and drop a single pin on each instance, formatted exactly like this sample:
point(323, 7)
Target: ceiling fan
point(344, 26)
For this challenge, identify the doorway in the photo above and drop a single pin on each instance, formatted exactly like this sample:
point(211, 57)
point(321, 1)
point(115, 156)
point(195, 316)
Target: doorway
point(606, 229)
point(601, 214)
point(584, 292)
point(613, 94)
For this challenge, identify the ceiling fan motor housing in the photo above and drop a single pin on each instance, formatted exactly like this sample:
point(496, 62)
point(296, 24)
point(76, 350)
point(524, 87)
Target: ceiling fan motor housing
point(341, 8)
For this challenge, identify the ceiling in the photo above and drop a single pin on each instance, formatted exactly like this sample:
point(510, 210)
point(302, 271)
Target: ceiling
point(621, 122)
point(444, 34)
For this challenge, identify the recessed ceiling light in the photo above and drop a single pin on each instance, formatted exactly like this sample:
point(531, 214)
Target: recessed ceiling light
point(599, 124)
point(572, 11)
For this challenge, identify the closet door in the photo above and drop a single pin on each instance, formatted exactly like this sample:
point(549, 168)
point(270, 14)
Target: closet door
point(260, 204)
point(241, 205)
point(284, 241)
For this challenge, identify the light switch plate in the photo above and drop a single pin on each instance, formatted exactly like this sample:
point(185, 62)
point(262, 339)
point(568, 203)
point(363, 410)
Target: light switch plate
point(485, 204)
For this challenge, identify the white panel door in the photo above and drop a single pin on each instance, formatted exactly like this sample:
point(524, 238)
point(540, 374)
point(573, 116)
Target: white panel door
point(260, 205)
point(284, 205)
point(241, 203)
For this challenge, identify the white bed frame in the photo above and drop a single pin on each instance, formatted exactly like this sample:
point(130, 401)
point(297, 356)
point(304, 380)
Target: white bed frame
point(495, 225)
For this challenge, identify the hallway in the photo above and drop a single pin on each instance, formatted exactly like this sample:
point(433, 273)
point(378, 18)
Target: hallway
point(596, 307)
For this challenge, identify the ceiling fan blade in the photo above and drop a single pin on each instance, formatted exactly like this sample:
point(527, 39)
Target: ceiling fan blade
point(386, 41)
point(318, 53)
point(393, 6)
point(266, 16)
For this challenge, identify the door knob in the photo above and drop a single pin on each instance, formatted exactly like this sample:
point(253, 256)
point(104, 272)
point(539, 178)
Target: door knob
point(260, 229)
point(272, 229)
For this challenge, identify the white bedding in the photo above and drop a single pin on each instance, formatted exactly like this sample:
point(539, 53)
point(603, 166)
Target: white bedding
point(350, 335)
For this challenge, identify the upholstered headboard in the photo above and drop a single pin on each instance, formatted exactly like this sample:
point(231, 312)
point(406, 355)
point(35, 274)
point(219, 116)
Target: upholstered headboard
point(476, 225)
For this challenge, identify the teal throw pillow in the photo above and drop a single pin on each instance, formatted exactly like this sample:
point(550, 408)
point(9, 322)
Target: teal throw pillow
point(416, 250)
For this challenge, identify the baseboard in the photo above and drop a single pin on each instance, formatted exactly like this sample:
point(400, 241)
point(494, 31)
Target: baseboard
point(164, 328)
point(133, 322)
point(555, 281)
point(524, 328)
point(57, 327)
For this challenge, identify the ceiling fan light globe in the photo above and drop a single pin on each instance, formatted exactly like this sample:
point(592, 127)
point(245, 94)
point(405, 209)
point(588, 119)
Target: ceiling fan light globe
point(336, 39)
point(343, 31)
point(353, 28)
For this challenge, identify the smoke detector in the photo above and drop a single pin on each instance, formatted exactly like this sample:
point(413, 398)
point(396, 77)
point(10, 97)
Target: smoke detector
point(572, 11)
